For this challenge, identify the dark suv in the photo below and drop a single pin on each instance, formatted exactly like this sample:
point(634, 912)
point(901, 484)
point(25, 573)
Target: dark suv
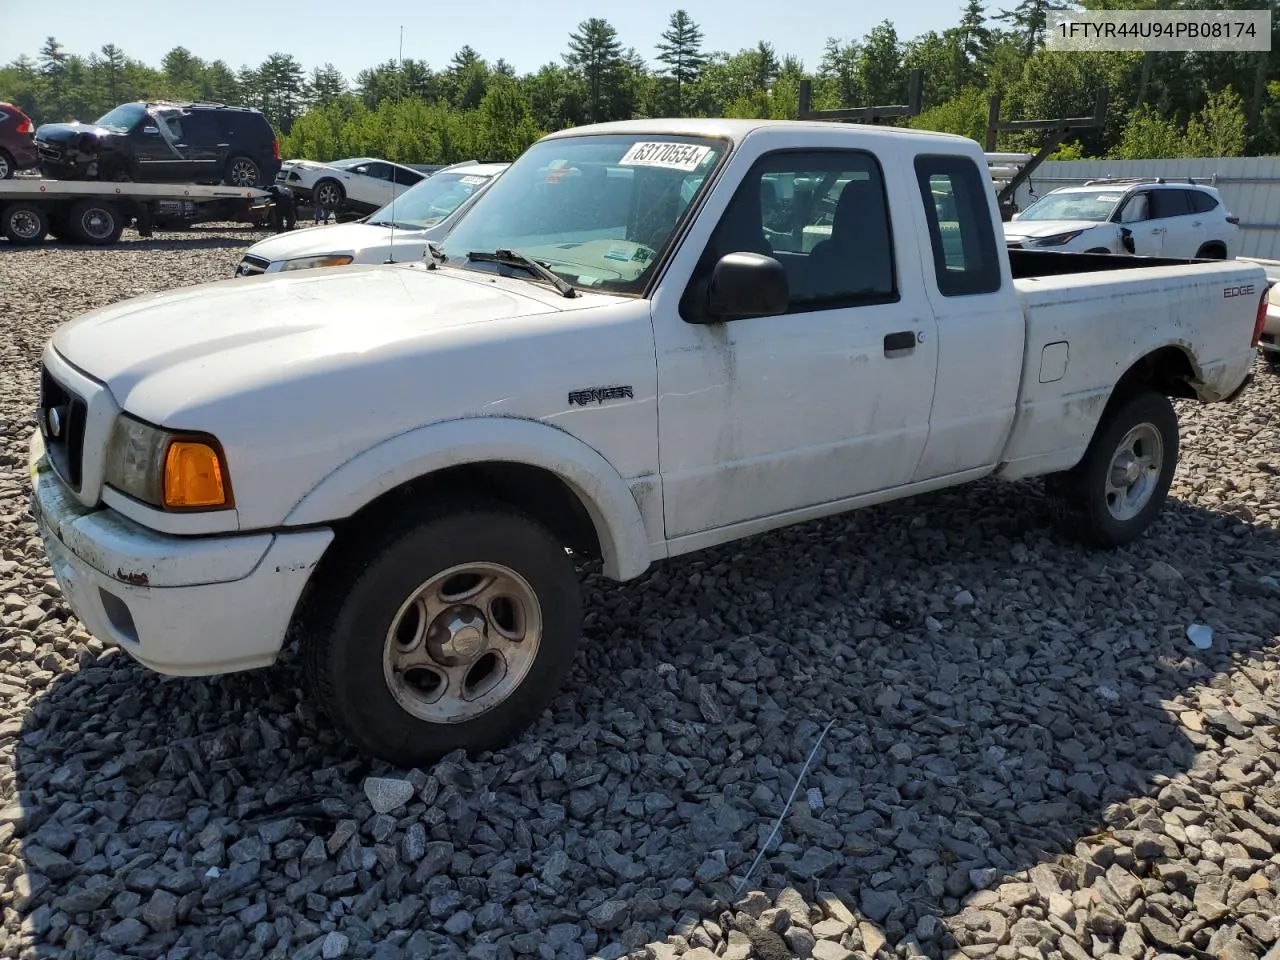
point(164, 142)
point(17, 146)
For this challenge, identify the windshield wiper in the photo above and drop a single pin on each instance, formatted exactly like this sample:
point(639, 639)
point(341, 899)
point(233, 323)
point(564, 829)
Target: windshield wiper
point(511, 258)
point(399, 225)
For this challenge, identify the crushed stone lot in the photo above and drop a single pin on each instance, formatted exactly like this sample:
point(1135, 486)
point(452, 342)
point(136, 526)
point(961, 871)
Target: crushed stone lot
point(1024, 754)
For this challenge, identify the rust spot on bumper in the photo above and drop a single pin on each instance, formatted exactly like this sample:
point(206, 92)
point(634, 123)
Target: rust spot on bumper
point(133, 579)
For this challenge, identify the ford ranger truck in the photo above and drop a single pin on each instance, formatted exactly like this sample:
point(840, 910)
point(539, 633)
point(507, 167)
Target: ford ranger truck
point(645, 339)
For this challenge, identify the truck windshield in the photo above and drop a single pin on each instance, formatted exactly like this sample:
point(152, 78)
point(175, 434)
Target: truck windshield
point(429, 202)
point(123, 118)
point(599, 211)
point(1080, 205)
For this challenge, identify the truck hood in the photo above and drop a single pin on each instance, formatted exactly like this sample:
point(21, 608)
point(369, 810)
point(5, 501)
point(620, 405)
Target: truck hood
point(168, 351)
point(352, 238)
point(64, 132)
point(1019, 229)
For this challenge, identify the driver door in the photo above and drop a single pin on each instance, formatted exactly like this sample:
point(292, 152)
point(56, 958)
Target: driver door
point(371, 184)
point(153, 149)
point(762, 417)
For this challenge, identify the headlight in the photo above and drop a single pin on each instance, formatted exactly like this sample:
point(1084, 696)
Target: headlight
point(1057, 240)
point(172, 471)
point(306, 263)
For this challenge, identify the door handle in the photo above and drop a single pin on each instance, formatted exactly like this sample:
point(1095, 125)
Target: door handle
point(900, 341)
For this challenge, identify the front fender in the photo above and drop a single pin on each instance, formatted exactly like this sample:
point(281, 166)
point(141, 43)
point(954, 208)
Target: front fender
point(425, 450)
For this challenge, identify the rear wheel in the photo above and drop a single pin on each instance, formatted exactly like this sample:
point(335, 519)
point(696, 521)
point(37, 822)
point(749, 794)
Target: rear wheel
point(94, 222)
point(243, 172)
point(452, 629)
point(1114, 494)
point(24, 223)
point(7, 165)
point(1211, 251)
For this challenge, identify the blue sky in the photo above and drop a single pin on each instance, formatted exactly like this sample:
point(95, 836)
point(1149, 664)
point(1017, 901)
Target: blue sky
point(353, 34)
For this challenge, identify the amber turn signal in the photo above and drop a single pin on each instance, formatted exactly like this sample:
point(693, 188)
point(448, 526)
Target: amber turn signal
point(193, 476)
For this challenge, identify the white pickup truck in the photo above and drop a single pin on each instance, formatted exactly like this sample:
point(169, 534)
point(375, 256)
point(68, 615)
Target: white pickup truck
point(630, 348)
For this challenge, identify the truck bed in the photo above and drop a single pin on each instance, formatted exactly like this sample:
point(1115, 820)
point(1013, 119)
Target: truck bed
point(1086, 326)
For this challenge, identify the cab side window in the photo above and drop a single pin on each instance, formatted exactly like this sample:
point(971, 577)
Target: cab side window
point(824, 216)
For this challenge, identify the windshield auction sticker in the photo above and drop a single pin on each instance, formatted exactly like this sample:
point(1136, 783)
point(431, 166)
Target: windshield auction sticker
point(672, 156)
point(1235, 31)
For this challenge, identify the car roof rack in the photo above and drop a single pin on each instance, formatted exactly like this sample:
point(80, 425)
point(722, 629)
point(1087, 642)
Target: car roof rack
point(1193, 181)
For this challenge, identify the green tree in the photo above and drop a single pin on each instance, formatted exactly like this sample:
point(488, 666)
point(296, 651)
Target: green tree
point(880, 66)
point(1149, 136)
point(680, 48)
point(1030, 18)
point(326, 85)
point(183, 73)
point(1218, 130)
point(974, 35)
point(596, 53)
point(505, 120)
point(838, 85)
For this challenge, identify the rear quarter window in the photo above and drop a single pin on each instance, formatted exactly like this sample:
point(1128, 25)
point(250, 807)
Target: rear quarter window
point(954, 193)
point(1202, 202)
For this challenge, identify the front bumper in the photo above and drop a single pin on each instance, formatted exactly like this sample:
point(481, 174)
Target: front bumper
point(184, 606)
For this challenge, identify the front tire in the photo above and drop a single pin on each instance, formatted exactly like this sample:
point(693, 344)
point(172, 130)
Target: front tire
point(328, 195)
point(452, 630)
point(1114, 494)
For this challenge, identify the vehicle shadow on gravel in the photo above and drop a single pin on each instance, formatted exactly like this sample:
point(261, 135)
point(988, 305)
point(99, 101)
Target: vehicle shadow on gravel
point(993, 690)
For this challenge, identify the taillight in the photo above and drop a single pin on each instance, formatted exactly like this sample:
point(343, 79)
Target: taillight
point(1233, 219)
point(275, 148)
point(1262, 317)
point(24, 125)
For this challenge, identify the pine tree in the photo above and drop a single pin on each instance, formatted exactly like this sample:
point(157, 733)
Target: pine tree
point(680, 49)
point(1030, 18)
point(974, 35)
point(327, 84)
point(596, 53)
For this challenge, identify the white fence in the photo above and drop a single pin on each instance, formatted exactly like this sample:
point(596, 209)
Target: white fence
point(1250, 188)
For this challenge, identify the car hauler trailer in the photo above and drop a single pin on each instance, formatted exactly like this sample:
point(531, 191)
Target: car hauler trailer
point(96, 212)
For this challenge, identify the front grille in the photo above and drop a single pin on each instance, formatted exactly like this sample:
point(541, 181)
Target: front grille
point(48, 151)
point(62, 416)
point(251, 266)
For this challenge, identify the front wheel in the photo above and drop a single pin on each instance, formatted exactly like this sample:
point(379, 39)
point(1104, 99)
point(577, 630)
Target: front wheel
point(452, 631)
point(1114, 494)
point(328, 195)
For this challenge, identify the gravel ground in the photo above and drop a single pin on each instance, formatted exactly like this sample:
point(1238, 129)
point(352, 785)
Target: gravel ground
point(1024, 755)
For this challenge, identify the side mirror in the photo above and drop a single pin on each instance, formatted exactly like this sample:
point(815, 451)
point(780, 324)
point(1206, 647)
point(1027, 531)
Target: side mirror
point(747, 285)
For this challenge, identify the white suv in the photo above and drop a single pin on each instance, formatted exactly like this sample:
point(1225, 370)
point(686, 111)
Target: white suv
point(1148, 217)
